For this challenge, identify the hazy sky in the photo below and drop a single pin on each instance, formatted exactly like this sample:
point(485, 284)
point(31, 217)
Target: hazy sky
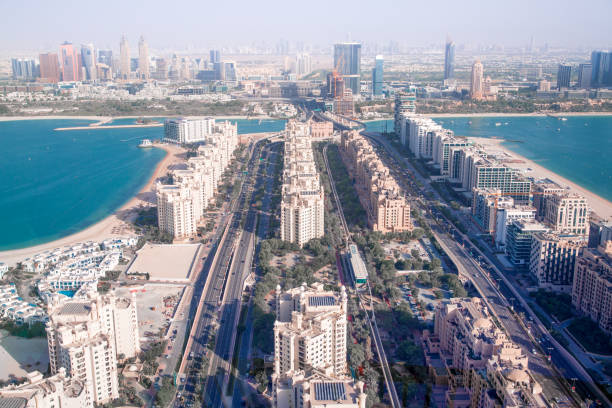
point(42, 25)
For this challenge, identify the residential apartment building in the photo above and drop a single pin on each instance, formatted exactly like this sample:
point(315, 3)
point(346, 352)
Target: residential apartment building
point(445, 146)
point(310, 350)
point(380, 195)
point(302, 194)
point(473, 357)
point(553, 259)
point(567, 213)
point(592, 288)
point(321, 130)
point(86, 334)
point(59, 390)
point(185, 131)
point(175, 211)
point(404, 106)
point(181, 205)
point(519, 237)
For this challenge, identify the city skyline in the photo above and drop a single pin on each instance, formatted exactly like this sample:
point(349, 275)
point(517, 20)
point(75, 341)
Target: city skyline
point(546, 22)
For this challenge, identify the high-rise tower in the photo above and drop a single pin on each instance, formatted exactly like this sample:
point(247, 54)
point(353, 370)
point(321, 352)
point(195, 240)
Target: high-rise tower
point(69, 62)
point(124, 61)
point(88, 58)
point(347, 60)
point(377, 76)
point(143, 58)
point(476, 84)
point(449, 59)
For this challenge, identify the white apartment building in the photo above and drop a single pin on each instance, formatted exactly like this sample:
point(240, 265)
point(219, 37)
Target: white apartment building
point(506, 215)
point(12, 307)
point(185, 131)
point(181, 205)
point(567, 213)
point(302, 197)
point(56, 391)
point(310, 350)
point(86, 334)
point(318, 391)
point(175, 210)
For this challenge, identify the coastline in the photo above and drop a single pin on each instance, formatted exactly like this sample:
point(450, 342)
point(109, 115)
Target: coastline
point(598, 204)
point(105, 119)
point(114, 225)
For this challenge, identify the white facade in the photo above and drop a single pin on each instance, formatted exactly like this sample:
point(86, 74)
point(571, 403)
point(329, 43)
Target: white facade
point(56, 391)
point(181, 205)
point(302, 203)
point(86, 334)
point(185, 131)
point(310, 350)
point(506, 215)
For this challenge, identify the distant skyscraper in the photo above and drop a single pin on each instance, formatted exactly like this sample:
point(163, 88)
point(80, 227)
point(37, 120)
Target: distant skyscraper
point(49, 67)
point(584, 75)
point(124, 62)
point(143, 56)
point(347, 59)
point(601, 62)
point(377, 76)
point(563, 76)
point(105, 57)
point(24, 68)
point(303, 64)
point(215, 56)
point(161, 69)
point(449, 60)
point(88, 58)
point(476, 83)
point(70, 62)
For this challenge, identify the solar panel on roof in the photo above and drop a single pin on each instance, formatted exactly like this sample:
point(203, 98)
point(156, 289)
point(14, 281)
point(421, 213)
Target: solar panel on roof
point(330, 391)
point(321, 301)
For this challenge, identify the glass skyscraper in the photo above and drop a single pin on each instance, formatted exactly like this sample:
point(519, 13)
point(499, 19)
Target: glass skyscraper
point(449, 60)
point(347, 59)
point(377, 76)
point(601, 73)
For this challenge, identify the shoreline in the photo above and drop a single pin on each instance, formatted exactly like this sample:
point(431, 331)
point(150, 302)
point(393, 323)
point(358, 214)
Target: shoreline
point(106, 119)
point(113, 225)
point(598, 204)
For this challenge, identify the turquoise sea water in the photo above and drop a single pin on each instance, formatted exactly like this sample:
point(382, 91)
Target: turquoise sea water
point(579, 148)
point(56, 183)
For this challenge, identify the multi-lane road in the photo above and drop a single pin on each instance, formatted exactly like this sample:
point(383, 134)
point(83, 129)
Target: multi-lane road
point(217, 310)
point(531, 335)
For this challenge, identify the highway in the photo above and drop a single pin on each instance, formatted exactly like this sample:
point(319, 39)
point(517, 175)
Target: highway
point(241, 388)
point(224, 273)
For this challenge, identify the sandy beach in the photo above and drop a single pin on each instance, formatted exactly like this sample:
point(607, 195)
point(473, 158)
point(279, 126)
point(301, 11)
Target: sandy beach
point(114, 225)
point(599, 205)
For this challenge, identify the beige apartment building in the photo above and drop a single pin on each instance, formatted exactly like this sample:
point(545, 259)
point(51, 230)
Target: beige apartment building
point(473, 357)
point(380, 195)
point(56, 391)
point(302, 194)
point(310, 367)
point(592, 289)
point(86, 334)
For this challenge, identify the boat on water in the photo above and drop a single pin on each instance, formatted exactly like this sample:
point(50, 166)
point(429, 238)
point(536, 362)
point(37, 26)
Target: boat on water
point(563, 119)
point(145, 143)
point(498, 124)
